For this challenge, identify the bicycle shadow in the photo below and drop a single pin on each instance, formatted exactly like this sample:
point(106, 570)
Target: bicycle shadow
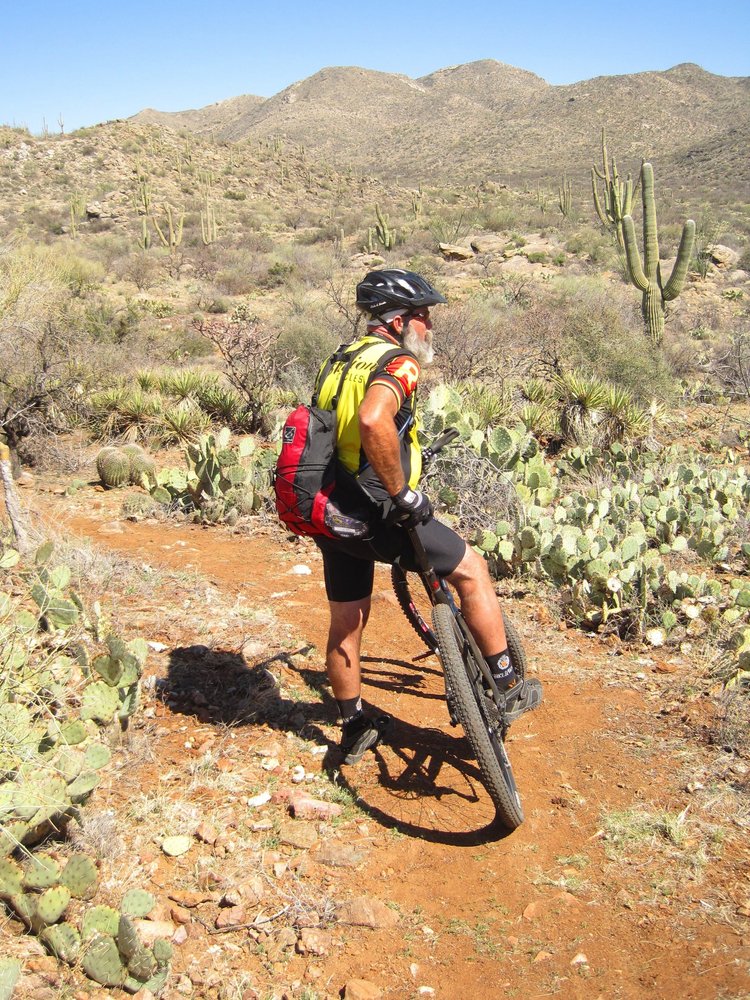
point(424, 765)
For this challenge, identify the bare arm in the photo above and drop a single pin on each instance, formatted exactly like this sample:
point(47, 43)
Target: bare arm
point(379, 438)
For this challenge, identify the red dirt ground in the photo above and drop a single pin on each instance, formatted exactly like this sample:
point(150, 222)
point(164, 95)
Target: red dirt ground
point(556, 908)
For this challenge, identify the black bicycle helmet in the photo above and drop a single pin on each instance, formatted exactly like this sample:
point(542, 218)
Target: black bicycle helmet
point(381, 291)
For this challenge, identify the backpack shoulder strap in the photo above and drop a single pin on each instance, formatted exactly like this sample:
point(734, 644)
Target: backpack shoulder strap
point(340, 354)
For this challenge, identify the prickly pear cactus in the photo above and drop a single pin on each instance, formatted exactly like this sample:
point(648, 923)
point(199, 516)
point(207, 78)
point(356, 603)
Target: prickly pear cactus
point(102, 963)
point(137, 903)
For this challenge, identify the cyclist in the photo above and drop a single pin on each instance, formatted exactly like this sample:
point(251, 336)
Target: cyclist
point(377, 444)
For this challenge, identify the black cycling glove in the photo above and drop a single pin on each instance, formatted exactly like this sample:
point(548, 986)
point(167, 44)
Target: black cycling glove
point(411, 507)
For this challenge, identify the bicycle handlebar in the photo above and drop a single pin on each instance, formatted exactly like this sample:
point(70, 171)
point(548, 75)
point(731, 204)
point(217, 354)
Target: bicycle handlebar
point(445, 439)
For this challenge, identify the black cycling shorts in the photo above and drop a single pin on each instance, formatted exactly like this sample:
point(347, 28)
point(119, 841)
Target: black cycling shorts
point(349, 565)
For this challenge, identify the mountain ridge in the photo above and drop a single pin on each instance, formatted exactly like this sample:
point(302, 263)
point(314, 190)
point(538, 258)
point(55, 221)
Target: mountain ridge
point(491, 119)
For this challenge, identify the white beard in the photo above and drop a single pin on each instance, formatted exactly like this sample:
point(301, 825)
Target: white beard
point(421, 349)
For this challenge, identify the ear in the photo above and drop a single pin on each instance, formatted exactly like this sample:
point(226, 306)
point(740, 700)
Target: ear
point(397, 323)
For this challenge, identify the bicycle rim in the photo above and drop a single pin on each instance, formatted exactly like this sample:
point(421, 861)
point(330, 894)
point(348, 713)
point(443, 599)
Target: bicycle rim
point(478, 717)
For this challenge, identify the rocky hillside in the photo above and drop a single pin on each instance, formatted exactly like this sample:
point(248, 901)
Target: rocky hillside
point(486, 119)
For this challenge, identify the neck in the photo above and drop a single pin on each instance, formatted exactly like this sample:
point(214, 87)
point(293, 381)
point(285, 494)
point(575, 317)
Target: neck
point(382, 331)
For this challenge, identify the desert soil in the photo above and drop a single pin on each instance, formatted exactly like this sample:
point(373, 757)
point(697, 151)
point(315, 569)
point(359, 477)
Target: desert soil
point(629, 877)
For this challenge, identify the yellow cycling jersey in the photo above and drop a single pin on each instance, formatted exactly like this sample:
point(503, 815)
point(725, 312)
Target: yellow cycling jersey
point(377, 360)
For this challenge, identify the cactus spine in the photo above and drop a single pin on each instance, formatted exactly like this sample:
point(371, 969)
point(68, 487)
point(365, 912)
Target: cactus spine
point(647, 276)
point(618, 195)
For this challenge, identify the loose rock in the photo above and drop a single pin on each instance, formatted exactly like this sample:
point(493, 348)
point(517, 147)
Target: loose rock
point(365, 911)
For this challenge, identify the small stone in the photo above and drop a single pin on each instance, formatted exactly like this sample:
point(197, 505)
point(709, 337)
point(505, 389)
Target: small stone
point(174, 847)
point(365, 911)
point(270, 764)
point(207, 833)
point(301, 570)
point(339, 855)
point(532, 911)
point(180, 936)
point(314, 942)
point(279, 869)
point(230, 916)
point(298, 774)
point(232, 897)
point(579, 959)
point(304, 807)
point(258, 800)
point(362, 989)
point(252, 649)
point(180, 915)
point(299, 834)
point(150, 930)
point(542, 956)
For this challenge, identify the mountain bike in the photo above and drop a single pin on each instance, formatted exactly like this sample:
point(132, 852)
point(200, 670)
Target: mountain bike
point(473, 697)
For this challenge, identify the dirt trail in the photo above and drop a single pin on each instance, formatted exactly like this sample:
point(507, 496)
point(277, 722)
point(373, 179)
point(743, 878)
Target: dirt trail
point(554, 908)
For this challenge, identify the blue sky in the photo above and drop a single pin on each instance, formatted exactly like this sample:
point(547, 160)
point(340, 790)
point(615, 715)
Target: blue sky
point(87, 62)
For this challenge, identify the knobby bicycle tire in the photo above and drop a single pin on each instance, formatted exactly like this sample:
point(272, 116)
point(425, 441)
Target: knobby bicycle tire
point(475, 712)
point(415, 603)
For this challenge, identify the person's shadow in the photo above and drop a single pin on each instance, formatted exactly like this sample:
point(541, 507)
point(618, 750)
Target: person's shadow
point(416, 763)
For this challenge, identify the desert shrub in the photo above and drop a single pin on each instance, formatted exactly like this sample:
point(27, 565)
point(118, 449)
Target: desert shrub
point(730, 362)
point(596, 244)
point(595, 326)
point(142, 268)
point(469, 341)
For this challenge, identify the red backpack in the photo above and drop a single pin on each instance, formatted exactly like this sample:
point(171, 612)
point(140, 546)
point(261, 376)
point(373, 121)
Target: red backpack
point(305, 475)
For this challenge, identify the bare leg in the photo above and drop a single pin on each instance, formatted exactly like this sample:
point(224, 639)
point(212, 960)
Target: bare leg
point(479, 602)
point(348, 620)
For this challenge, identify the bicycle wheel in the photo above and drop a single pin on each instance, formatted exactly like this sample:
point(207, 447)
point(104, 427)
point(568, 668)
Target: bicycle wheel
point(414, 600)
point(478, 716)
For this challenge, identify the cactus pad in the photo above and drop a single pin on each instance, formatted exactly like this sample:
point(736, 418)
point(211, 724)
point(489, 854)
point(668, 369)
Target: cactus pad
point(137, 903)
point(73, 732)
point(10, 878)
point(127, 938)
point(100, 920)
point(80, 876)
point(52, 903)
point(24, 904)
point(10, 970)
point(63, 940)
point(97, 756)
point(101, 962)
point(99, 701)
point(142, 965)
point(109, 669)
point(163, 951)
point(153, 985)
point(43, 871)
point(83, 786)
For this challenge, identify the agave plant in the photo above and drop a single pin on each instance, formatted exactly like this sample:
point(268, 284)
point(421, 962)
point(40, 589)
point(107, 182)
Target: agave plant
point(622, 419)
point(184, 384)
point(539, 418)
point(183, 423)
point(582, 401)
point(221, 404)
point(491, 406)
point(146, 380)
point(536, 390)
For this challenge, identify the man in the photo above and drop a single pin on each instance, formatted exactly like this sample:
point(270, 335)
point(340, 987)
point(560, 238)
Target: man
point(377, 444)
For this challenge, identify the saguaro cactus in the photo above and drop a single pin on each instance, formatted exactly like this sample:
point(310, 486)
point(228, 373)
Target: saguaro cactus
point(618, 195)
point(647, 277)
